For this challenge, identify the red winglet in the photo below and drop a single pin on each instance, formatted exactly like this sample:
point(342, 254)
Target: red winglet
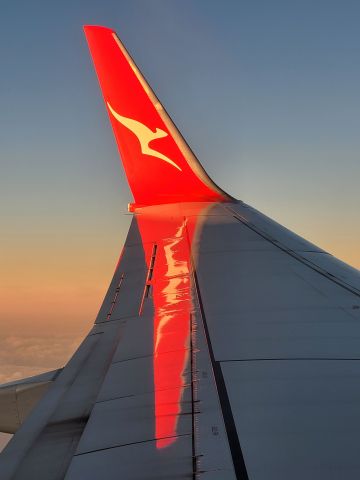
point(159, 164)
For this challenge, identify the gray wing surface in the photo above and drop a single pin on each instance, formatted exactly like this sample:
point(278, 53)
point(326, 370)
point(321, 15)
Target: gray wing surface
point(283, 318)
point(226, 348)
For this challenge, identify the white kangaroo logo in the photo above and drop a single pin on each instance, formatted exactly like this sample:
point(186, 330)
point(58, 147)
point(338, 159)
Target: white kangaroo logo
point(144, 135)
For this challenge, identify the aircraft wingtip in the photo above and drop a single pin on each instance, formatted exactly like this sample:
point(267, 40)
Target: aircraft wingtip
point(163, 172)
point(89, 28)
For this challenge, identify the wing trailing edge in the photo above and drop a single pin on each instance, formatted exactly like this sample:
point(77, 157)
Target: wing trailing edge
point(160, 166)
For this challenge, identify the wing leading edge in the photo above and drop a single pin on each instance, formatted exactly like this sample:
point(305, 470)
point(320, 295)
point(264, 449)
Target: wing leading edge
point(226, 346)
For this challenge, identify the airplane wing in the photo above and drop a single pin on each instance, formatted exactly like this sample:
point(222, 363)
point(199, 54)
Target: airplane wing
point(226, 347)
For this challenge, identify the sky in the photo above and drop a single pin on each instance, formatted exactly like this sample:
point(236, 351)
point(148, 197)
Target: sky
point(266, 93)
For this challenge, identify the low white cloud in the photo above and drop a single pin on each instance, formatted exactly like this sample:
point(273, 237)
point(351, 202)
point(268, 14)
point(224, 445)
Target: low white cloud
point(22, 356)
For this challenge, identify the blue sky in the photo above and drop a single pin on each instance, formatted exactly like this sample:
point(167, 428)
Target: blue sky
point(266, 93)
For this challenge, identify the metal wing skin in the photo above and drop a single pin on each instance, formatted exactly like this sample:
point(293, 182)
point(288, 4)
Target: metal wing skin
point(226, 347)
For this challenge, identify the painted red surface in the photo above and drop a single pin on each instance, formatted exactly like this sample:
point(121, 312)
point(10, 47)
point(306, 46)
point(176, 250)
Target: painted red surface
point(172, 301)
point(158, 173)
point(156, 169)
